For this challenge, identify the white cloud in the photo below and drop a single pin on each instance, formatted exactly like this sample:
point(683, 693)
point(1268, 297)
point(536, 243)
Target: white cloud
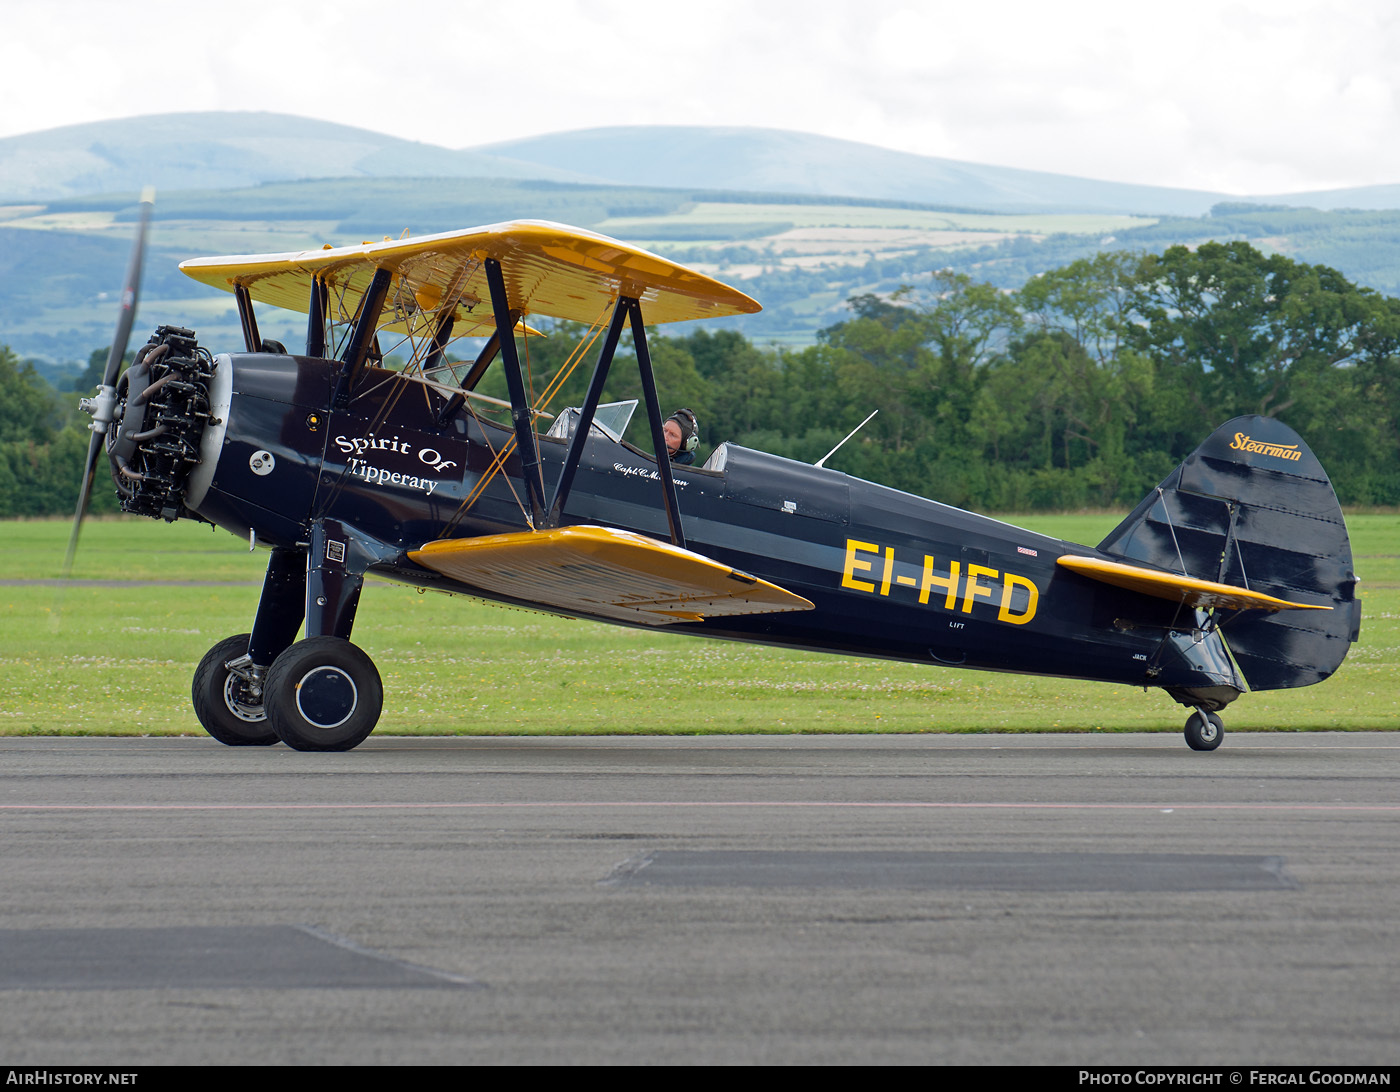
point(1251, 96)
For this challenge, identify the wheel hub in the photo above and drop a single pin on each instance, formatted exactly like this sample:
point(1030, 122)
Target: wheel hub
point(326, 697)
point(241, 703)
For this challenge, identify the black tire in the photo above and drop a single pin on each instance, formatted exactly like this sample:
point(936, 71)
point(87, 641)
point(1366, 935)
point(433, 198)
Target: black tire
point(221, 702)
point(323, 694)
point(1204, 731)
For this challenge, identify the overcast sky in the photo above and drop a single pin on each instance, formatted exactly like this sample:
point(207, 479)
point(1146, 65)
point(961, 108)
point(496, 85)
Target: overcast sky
point(1255, 96)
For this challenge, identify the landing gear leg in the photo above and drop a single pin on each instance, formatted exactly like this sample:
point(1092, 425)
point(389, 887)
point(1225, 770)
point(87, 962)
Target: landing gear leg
point(1204, 730)
point(323, 693)
point(281, 607)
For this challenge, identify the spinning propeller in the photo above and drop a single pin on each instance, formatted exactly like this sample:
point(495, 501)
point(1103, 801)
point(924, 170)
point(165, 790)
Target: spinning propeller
point(103, 406)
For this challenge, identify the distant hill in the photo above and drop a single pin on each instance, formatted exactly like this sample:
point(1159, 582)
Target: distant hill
point(225, 150)
point(780, 161)
point(228, 150)
point(1365, 198)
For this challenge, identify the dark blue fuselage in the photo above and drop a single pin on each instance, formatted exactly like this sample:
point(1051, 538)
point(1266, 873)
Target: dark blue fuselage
point(889, 574)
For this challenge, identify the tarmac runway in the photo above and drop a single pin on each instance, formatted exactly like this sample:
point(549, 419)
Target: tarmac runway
point(1066, 899)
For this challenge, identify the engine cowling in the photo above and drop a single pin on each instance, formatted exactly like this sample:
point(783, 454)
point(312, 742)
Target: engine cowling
point(165, 402)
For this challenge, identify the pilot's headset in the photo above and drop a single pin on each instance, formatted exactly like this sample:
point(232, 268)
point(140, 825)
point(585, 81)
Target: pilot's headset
point(690, 429)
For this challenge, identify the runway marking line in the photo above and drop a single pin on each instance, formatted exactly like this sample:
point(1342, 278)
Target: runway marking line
point(620, 804)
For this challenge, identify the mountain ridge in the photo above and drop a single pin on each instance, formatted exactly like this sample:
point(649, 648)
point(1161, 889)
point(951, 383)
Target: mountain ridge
point(231, 149)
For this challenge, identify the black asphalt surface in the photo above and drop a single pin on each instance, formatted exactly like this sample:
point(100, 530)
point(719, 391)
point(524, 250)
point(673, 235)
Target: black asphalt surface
point(1064, 899)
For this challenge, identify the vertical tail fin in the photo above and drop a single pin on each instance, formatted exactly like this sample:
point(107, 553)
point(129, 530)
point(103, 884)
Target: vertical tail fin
point(1253, 507)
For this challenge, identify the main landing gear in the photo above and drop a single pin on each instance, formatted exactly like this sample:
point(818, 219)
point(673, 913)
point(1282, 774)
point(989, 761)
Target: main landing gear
point(321, 694)
point(1204, 730)
point(318, 694)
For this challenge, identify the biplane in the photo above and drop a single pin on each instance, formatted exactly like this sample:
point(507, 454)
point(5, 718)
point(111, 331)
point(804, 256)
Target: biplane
point(1235, 571)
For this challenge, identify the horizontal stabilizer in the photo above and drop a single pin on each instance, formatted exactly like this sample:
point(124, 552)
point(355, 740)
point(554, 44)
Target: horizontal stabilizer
point(606, 572)
point(1205, 594)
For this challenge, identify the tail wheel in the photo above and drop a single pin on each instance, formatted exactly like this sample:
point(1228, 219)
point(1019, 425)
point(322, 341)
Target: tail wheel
point(1204, 731)
point(323, 694)
point(228, 700)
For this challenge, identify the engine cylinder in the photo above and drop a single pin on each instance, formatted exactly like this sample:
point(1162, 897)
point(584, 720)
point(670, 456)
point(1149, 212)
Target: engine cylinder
point(163, 408)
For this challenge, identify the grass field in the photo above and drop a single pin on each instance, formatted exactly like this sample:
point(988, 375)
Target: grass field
point(116, 657)
point(703, 212)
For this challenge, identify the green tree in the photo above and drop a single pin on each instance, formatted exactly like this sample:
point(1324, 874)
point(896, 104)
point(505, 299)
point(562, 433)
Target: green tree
point(28, 409)
point(1087, 300)
point(91, 378)
point(1242, 332)
point(745, 388)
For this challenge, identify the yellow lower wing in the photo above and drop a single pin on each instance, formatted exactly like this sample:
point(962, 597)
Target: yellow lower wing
point(606, 572)
point(1205, 594)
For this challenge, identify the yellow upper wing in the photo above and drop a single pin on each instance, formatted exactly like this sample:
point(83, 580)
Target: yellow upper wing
point(549, 269)
point(1206, 594)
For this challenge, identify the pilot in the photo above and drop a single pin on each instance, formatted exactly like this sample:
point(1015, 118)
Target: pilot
point(682, 436)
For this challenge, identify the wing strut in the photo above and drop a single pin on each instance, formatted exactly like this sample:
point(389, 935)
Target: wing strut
point(658, 434)
point(441, 336)
point(316, 319)
point(251, 338)
point(627, 308)
point(484, 358)
point(362, 336)
point(590, 407)
point(519, 402)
